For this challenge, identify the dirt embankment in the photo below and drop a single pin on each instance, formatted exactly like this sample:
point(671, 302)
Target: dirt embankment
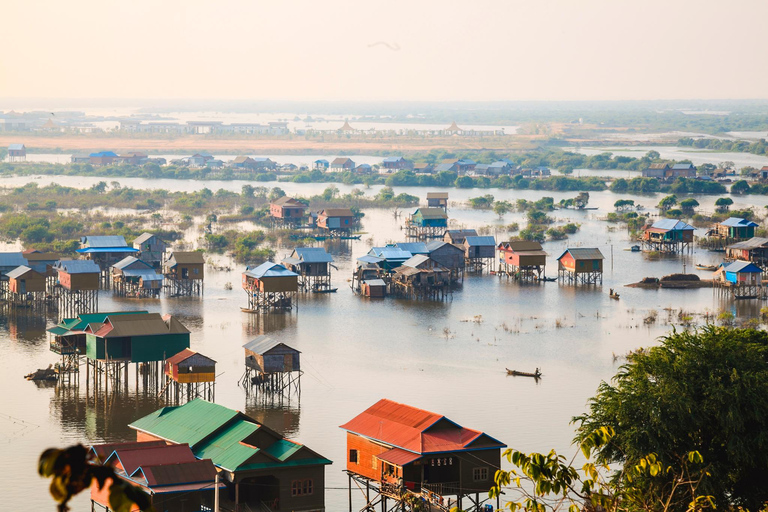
point(224, 145)
point(679, 281)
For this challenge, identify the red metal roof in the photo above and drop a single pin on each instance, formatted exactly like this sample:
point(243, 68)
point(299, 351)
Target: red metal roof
point(398, 457)
point(103, 451)
point(133, 458)
point(181, 356)
point(412, 429)
point(199, 471)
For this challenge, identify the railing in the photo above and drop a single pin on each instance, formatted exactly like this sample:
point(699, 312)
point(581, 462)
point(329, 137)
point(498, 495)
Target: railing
point(444, 488)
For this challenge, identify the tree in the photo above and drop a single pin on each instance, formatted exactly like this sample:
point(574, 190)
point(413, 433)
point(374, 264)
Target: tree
point(485, 201)
point(276, 193)
point(621, 204)
point(740, 187)
point(667, 203)
point(688, 205)
point(653, 155)
point(502, 208)
point(723, 204)
point(581, 200)
point(703, 390)
point(464, 182)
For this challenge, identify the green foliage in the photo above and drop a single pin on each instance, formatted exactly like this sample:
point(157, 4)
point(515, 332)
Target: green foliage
point(759, 147)
point(687, 205)
point(740, 187)
point(623, 204)
point(667, 203)
point(71, 473)
point(501, 208)
point(704, 390)
point(482, 202)
point(533, 233)
point(723, 203)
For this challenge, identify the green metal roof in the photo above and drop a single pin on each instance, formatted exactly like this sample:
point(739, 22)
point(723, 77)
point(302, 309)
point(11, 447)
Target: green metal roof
point(189, 423)
point(81, 321)
point(291, 463)
point(58, 331)
point(282, 449)
point(225, 449)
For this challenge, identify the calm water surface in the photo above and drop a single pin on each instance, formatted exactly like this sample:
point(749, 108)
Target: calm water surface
point(444, 356)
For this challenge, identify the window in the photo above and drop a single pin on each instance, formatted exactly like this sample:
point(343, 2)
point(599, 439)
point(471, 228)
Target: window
point(301, 487)
point(353, 456)
point(480, 474)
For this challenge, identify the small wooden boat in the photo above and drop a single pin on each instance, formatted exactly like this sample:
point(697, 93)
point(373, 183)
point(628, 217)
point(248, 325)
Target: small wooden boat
point(701, 266)
point(635, 248)
point(350, 237)
point(548, 279)
point(612, 294)
point(324, 289)
point(49, 373)
point(535, 375)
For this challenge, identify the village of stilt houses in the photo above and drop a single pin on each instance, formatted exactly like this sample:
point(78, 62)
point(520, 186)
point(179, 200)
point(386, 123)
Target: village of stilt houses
point(193, 453)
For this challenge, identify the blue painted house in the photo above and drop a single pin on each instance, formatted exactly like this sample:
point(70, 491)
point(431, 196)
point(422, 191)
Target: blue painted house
point(736, 228)
point(430, 217)
point(741, 272)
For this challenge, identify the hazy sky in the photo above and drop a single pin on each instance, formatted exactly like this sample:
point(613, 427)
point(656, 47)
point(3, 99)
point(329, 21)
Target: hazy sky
point(444, 50)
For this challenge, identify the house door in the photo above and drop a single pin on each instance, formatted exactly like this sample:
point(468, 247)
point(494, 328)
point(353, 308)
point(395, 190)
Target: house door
point(185, 273)
point(288, 362)
point(22, 286)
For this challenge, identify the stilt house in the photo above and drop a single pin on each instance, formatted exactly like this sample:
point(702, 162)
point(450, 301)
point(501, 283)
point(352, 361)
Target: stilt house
point(735, 228)
point(287, 209)
point(312, 264)
point(23, 280)
point(400, 449)
point(260, 467)
point(336, 219)
point(151, 249)
point(755, 250)
point(581, 265)
point(78, 275)
point(522, 259)
point(448, 256)
point(270, 287)
point(136, 278)
point(437, 200)
point(458, 236)
point(105, 251)
point(135, 338)
point(668, 235)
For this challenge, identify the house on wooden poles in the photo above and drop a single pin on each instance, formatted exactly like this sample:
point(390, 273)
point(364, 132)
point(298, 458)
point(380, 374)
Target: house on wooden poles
point(479, 253)
point(17, 152)
point(143, 339)
point(521, 259)
point(581, 265)
point(26, 289)
point(400, 455)
point(105, 251)
point(755, 250)
point(313, 265)
point(336, 221)
point(173, 478)
point(668, 236)
point(421, 277)
point(270, 287)
point(261, 469)
point(458, 236)
point(438, 200)
point(68, 338)
point(132, 277)
point(732, 229)
point(373, 288)
point(742, 279)
point(151, 249)
point(272, 367)
point(286, 210)
point(413, 247)
point(184, 272)
point(42, 262)
point(190, 375)
point(426, 223)
point(77, 287)
point(390, 256)
point(448, 256)
point(8, 262)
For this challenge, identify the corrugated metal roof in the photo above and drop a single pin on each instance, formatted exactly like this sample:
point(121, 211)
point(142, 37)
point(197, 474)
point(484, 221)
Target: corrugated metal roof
point(184, 355)
point(282, 449)
point(131, 458)
point(263, 344)
point(138, 324)
point(584, 253)
point(268, 269)
point(480, 241)
point(225, 448)
point(164, 475)
point(93, 250)
point(12, 259)
point(742, 267)
point(102, 451)
point(393, 159)
point(104, 153)
point(78, 267)
point(390, 253)
point(375, 282)
point(129, 260)
point(20, 271)
point(186, 258)
point(189, 423)
point(289, 201)
point(438, 244)
point(370, 259)
point(460, 233)
point(143, 238)
point(678, 167)
point(521, 246)
point(313, 255)
point(413, 247)
point(415, 261)
point(103, 241)
point(15, 147)
point(738, 222)
point(407, 427)
point(753, 243)
point(338, 212)
point(431, 213)
point(672, 225)
point(398, 457)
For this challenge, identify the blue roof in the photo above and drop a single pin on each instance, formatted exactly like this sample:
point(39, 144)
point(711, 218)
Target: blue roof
point(78, 267)
point(413, 247)
point(313, 255)
point(370, 259)
point(393, 159)
point(91, 250)
point(12, 259)
point(390, 252)
point(321, 161)
point(672, 225)
point(737, 222)
point(466, 161)
point(104, 153)
point(144, 273)
point(269, 269)
point(443, 167)
point(129, 260)
point(104, 241)
point(480, 240)
point(683, 166)
point(742, 267)
point(15, 147)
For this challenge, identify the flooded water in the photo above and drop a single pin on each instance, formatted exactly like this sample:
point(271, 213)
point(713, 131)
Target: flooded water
point(448, 357)
point(696, 156)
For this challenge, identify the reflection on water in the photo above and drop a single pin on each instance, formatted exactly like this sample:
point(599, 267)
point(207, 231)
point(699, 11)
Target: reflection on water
point(441, 356)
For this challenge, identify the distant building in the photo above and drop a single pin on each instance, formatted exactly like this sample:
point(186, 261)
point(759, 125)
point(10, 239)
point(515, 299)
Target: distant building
point(423, 168)
point(458, 236)
point(437, 200)
point(396, 163)
point(321, 165)
point(17, 153)
point(102, 158)
point(105, 251)
point(656, 170)
point(682, 171)
point(363, 169)
point(342, 164)
point(581, 265)
point(667, 235)
point(336, 219)
point(735, 229)
point(133, 158)
point(287, 209)
point(754, 250)
point(199, 159)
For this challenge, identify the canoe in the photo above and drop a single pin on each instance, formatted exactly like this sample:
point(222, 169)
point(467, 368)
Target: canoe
point(700, 266)
point(44, 374)
point(324, 290)
point(548, 279)
point(516, 373)
point(615, 296)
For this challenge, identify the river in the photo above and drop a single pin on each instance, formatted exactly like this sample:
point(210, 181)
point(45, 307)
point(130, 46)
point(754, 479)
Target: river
point(448, 356)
